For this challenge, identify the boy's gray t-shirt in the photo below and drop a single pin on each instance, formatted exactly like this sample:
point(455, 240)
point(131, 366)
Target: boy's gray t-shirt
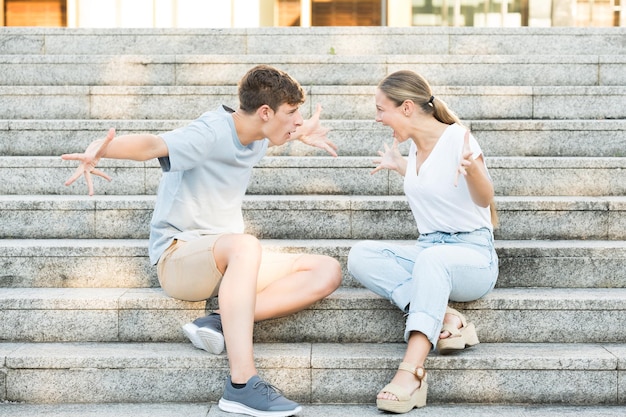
point(205, 178)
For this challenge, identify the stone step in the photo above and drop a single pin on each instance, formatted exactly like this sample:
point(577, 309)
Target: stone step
point(556, 315)
point(211, 409)
point(319, 374)
point(104, 263)
point(309, 217)
point(588, 138)
point(339, 101)
point(512, 176)
point(322, 69)
point(349, 315)
point(317, 40)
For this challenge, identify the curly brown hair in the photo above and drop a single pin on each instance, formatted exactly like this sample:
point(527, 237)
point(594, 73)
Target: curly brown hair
point(264, 84)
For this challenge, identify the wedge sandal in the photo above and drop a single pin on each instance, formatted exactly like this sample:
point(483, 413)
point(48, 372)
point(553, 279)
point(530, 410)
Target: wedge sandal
point(459, 339)
point(406, 401)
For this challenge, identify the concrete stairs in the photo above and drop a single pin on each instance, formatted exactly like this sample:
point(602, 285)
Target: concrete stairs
point(86, 330)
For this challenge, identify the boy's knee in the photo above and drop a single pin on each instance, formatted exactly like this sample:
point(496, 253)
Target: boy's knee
point(329, 274)
point(231, 248)
point(246, 243)
point(335, 273)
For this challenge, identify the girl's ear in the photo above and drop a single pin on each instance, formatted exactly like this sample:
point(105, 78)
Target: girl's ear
point(407, 107)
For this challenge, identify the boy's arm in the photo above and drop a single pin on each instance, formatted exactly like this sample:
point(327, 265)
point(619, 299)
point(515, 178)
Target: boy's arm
point(139, 147)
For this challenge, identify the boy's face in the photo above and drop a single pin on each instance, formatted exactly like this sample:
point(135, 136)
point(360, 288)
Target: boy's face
point(282, 123)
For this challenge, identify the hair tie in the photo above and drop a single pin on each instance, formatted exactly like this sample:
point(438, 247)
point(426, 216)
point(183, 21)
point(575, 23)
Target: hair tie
point(432, 99)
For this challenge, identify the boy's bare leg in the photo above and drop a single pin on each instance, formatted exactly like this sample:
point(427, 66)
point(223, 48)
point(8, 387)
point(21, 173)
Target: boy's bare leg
point(288, 283)
point(238, 257)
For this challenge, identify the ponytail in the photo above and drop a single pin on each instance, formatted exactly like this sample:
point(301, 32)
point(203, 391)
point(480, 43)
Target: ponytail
point(408, 85)
point(441, 112)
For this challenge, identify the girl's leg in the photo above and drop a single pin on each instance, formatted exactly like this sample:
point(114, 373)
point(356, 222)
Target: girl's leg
point(385, 269)
point(432, 285)
point(447, 271)
point(418, 347)
point(442, 271)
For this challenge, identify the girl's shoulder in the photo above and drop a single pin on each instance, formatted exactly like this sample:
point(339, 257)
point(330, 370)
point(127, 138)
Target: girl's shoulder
point(455, 130)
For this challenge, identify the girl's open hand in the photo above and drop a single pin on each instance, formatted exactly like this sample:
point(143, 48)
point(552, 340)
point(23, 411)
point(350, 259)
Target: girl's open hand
point(388, 159)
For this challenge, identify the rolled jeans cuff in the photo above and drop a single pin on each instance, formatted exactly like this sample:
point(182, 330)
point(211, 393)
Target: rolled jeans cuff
point(425, 324)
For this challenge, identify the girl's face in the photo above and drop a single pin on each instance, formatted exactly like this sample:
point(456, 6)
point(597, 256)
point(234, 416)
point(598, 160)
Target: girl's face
point(391, 115)
point(283, 123)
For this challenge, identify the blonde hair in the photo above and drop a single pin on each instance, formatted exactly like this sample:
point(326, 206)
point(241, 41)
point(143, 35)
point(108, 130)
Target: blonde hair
point(404, 85)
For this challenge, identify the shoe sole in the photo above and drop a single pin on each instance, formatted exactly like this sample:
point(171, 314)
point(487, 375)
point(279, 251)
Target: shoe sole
point(416, 400)
point(235, 407)
point(205, 339)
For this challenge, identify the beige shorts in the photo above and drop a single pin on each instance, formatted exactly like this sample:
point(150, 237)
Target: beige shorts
point(187, 270)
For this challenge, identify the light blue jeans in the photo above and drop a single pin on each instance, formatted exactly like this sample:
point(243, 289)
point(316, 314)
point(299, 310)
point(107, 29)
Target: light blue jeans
point(421, 278)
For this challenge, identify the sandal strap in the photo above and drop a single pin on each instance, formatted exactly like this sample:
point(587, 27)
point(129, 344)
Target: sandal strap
point(419, 372)
point(452, 329)
point(450, 310)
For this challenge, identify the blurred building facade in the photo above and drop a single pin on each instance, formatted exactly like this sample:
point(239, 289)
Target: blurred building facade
point(305, 13)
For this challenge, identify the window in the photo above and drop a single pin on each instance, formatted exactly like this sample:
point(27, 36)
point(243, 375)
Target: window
point(597, 13)
point(346, 13)
point(35, 13)
point(509, 13)
point(288, 12)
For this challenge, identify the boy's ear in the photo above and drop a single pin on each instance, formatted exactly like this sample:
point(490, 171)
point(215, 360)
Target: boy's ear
point(264, 112)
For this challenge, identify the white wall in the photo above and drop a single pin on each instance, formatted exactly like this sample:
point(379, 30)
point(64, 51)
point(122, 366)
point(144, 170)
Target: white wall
point(399, 13)
point(164, 13)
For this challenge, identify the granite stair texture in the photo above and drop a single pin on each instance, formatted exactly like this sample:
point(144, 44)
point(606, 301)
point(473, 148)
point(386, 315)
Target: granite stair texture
point(86, 330)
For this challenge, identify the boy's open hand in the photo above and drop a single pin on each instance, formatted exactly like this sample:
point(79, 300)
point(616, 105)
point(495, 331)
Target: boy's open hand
point(88, 161)
point(314, 134)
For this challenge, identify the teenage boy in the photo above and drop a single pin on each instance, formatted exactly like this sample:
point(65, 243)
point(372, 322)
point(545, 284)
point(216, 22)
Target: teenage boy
point(197, 237)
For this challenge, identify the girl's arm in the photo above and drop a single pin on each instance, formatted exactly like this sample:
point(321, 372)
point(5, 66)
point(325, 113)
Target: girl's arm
point(478, 182)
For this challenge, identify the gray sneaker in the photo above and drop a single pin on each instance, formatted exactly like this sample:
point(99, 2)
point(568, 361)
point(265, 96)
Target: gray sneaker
point(257, 398)
point(206, 333)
